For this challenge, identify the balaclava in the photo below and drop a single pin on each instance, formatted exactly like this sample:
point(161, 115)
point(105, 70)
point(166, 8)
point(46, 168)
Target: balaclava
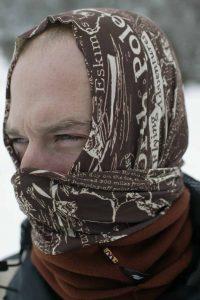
point(128, 175)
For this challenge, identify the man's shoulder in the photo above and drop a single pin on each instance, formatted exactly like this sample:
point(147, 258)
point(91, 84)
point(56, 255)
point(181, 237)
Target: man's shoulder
point(29, 284)
point(194, 187)
point(187, 284)
point(6, 276)
point(24, 281)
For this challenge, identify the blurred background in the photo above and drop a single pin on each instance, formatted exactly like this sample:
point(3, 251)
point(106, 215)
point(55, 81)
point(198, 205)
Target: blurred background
point(179, 19)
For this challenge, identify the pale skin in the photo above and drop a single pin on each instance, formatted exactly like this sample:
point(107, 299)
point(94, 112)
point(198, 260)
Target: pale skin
point(50, 114)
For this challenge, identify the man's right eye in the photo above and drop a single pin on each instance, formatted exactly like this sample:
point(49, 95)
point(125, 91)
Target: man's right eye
point(19, 141)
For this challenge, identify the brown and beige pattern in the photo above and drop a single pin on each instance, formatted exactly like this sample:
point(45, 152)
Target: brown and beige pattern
point(128, 173)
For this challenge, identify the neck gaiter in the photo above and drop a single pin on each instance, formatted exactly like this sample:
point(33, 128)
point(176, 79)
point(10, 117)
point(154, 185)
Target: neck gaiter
point(128, 175)
point(140, 266)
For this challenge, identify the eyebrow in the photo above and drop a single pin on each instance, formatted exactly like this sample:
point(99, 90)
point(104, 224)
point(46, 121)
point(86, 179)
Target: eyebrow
point(51, 128)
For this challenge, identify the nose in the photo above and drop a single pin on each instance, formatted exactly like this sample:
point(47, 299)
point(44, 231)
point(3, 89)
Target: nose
point(35, 156)
point(38, 156)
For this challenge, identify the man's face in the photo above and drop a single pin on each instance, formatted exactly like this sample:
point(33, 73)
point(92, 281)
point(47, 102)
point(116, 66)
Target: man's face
point(50, 113)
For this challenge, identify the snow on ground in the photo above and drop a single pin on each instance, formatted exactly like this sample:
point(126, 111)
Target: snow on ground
point(11, 216)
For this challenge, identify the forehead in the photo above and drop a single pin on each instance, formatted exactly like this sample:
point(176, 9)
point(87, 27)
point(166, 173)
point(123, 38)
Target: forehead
point(50, 81)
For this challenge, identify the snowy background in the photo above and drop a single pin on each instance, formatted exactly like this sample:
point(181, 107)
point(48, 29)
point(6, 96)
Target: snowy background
point(11, 216)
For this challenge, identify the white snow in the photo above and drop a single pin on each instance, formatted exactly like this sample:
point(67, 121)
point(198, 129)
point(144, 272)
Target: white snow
point(11, 216)
point(191, 157)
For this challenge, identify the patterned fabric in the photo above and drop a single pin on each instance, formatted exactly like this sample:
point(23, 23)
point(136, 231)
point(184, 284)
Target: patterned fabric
point(128, 173)
point(160, 252)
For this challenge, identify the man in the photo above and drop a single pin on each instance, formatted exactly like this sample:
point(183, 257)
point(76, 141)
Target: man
point(96, 126)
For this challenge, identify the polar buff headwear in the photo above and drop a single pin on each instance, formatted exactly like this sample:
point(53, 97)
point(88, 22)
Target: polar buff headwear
point(128, 173)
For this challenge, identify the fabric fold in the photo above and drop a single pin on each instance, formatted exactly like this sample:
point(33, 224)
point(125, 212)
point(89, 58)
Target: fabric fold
point(163, 249)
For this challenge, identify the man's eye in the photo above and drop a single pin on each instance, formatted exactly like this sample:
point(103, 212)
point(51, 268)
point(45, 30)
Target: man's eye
point(19, 141)
point(64, 137)
point(59, 137)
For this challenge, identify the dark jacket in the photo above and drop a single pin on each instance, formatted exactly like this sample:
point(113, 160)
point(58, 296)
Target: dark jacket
point(31, 286)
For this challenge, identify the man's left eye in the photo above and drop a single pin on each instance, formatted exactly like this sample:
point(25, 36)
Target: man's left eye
point(64, 137)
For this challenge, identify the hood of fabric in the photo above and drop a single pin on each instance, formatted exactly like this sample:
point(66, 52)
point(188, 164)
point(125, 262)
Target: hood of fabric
point(138, 113)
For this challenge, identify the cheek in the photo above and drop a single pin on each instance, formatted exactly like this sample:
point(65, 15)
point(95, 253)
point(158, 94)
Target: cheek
point(58, 160)
point(63, 162)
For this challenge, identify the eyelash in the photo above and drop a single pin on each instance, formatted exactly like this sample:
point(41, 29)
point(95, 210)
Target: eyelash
point(70, 137)
point(57, 137)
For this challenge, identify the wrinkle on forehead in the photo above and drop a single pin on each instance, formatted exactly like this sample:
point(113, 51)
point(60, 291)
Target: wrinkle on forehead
point(50, 86)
